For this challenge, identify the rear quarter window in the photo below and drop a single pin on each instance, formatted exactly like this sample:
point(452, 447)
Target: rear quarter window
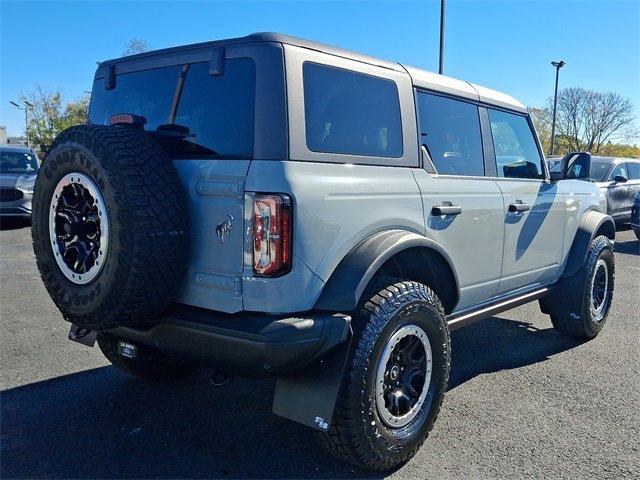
point(351, 113)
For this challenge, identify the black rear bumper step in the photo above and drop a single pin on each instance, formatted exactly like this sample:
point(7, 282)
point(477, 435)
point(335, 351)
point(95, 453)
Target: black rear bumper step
point(249, 345)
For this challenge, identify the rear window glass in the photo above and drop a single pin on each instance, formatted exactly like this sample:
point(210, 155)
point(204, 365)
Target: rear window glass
point(217, 110)
point(351, 113)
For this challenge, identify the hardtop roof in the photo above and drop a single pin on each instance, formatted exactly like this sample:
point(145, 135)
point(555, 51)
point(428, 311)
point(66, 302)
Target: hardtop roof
point(421, 78)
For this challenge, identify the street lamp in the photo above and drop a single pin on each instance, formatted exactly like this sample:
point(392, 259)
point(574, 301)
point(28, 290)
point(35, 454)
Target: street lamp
point(558, 66)
point(27, 106)
point(441, 63)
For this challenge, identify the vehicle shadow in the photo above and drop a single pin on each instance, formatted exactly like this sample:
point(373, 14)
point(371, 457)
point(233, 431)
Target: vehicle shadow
point(14, 223)
point(497, 344)
point(101, 423)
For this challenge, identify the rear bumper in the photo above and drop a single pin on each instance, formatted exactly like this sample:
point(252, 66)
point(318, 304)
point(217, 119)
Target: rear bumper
point(248, 345)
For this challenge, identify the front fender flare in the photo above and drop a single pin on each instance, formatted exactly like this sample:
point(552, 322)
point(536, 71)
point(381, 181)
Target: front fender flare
point(592, 223)
point(345, 286)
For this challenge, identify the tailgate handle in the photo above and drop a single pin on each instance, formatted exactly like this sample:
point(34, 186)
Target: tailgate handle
point(441, 210)
point(519, 207)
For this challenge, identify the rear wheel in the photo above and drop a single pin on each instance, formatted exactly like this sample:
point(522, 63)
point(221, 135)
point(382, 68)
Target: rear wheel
point(149, 364)
point(394, 380)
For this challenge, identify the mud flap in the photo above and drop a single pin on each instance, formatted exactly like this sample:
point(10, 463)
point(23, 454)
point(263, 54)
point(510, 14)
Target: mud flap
point(309, 396)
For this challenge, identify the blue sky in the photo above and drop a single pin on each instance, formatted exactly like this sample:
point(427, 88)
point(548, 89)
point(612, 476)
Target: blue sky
point(505, 45)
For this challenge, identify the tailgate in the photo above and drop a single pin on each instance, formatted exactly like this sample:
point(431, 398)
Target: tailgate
point(215, 192)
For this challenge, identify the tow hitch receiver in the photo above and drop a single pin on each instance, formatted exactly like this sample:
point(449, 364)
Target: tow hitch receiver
point(82, 335)
point(127, 350)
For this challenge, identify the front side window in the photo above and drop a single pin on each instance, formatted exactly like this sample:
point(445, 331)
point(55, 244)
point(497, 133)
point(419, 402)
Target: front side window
point(619, 170)
point(217, 110)
point(450, 131)
point(517, 154)
point(351, 113)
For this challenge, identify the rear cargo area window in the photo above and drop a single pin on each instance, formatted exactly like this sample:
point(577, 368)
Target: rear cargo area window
point(217, 110)
point(351, 113)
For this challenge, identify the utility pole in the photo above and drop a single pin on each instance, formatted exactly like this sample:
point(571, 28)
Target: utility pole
point(26, 107)
point(558, 66)
point(441, 66)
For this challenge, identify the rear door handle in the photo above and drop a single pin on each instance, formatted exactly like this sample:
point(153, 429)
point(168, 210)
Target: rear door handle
point(441, 210)
point(519, 207)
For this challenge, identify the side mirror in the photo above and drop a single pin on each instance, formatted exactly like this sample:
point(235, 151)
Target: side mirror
point(575, 165)
point(620, 179)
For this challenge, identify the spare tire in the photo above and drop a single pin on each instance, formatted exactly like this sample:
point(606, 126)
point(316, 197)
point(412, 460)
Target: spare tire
point(109, 226)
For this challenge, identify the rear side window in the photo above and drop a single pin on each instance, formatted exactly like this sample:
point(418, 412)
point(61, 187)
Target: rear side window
point(218, 110)
point(634, 171)
point(450, 131)
point(351, 113)
point(517, 154)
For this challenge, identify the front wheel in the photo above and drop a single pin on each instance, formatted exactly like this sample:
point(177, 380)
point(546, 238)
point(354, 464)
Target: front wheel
point(395, 378)
point(580, 304)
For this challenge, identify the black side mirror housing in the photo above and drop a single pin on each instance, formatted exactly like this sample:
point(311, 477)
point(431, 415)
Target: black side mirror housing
point(575, 165)
point(620, 179)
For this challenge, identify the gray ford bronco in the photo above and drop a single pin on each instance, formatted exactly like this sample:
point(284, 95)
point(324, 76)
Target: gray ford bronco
point(267, 206)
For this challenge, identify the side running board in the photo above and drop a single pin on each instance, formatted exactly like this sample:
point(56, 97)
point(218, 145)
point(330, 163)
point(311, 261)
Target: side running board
point(461, 320)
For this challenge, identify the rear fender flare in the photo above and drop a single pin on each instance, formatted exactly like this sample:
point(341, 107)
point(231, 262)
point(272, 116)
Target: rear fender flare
point(345, 286)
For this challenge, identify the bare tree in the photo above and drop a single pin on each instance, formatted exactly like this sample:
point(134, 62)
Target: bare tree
point(588, 120)
point(136, 45)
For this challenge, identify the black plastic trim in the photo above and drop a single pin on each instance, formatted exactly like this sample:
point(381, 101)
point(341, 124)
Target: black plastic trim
point(348, 281)
point(249, 345)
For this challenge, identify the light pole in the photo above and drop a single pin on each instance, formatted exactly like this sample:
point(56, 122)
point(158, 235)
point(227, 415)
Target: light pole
point(441, 64)
point(26, 107)
point(558, 66)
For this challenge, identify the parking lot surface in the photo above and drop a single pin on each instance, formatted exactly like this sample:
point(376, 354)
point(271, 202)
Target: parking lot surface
point(523, 401)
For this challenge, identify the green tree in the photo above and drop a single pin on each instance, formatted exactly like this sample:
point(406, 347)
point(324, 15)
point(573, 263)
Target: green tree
point(51, 115)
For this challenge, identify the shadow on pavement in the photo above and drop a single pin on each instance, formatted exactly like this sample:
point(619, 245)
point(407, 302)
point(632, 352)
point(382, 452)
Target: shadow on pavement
point(14, 223)
point(497, 344)
point(102, 424)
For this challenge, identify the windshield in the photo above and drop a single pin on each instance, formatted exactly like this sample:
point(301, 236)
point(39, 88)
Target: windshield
point(598, 170)
point(217, 110)
point(18, 162)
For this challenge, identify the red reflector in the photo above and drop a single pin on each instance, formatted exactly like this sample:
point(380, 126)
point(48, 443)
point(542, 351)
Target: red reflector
point(127, 119)
point(271, 235)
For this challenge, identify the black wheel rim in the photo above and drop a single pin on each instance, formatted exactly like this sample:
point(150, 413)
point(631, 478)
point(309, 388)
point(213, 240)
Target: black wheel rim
point(78, 227)
point(403, 376)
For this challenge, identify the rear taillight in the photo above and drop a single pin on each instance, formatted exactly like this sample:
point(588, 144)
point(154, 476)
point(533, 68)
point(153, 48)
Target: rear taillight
point(271, 234)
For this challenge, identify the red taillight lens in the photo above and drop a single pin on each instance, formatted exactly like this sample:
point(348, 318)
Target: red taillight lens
point(271, 234)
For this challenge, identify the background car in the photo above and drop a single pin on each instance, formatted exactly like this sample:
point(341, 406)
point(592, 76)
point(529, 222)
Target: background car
point(18, 170)
point(619, 180)
point(635, 215)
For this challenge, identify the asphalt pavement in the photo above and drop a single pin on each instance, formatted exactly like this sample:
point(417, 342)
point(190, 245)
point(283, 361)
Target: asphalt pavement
point(523, 401)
